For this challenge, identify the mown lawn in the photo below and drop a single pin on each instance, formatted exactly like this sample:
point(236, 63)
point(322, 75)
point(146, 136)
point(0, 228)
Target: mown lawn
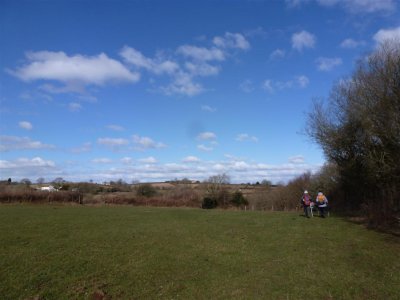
point(72, 252)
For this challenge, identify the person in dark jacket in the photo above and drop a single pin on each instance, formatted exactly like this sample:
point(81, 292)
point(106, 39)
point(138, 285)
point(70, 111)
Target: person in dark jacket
point(306, 202)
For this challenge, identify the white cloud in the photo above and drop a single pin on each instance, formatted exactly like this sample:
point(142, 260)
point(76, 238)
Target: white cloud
point(302, 81)
point(244, 137)
point(208, 108)
point(11, 143)
point(26, 163)
point(352, 6)
point(277, 54)
point(327, 64)
point(74, 107)
point(183, 84)
point(298, 159)
point(112, 142)
point(74, 72)
point(232, 40)
point(86, 147)
point(204, 148)
point(268, 86)
point(115, 127)
point(148, 160)
point(144, 143)
point(157, 66)
point(296, 3)
point(201, 69)
point(127, 160)
point(201, 54)
point(365, 6)
point(191, 159)
point(239, 170)
point(102, 160)
point(272, 86)
point(247, 86)
point(25, 125)
point(207, 136)
point(303, 39)
point(387, 34)
point(351, 44)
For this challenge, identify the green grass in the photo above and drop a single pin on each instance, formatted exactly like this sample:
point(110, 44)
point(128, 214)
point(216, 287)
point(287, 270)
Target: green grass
point(70, 252)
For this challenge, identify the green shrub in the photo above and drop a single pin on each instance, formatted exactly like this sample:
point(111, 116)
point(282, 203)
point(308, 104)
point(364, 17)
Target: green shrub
point(146, 190)
point(209, 203)
point(238, 199)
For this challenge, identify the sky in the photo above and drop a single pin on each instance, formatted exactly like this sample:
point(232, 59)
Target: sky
point(160, 90)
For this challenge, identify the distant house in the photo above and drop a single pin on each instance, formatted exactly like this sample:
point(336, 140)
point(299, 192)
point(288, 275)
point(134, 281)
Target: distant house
point(49, 188)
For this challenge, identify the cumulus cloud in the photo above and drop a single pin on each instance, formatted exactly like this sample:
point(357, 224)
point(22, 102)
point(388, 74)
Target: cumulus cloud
point(298, 159)
point(127, 160)
point(271, 86)
point(232, 40)
point(207, 136)
point(327, 64)
point(73, 71)
point(387, 34)
point(247, 86)
point(86, 147)
point(25, 125)
point(11, 143)
point(352, 6)
point(302, 81)
point(191, 159)
point(201, 69)
point(205, 148)
point(277, 54)
point(268, 86)
point(28, 168)
point(208, 108)
point(144, 143)
point(114, 143)
point(148, 160)
point(201, 53)
point(302, 40)
point(26, 162)
point(115, 127)
point(188, 65)
point(102, 160)
point(245, 137)
point(351, 44)
point(363, 6)
point(74, 107)
point(158, 66)
point(183, 84)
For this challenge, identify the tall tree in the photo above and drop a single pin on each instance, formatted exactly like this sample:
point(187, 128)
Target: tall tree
point(359, 130)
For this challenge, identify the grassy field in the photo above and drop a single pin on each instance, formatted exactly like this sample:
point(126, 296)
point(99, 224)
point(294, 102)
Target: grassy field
point(75, 252)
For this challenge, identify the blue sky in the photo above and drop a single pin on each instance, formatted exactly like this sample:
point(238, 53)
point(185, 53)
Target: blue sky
point(158, 90)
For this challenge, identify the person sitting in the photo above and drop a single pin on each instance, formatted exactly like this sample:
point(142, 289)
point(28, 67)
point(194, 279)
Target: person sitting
point(322, 203)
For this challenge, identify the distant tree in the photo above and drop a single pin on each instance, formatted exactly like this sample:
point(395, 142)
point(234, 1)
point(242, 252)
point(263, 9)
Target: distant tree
point(266, 182)
point(26, 181)
point(216, 189)
point(120, 182)
point(9, 181)
point(40, 180)
point(58, 182)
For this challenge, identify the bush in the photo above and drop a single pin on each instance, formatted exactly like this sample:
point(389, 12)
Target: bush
point(238, 199)
point(209, 203)
point(146, 190)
